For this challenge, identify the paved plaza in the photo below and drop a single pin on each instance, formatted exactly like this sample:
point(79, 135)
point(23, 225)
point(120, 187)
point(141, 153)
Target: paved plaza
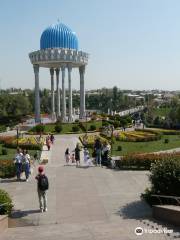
point(83, 203)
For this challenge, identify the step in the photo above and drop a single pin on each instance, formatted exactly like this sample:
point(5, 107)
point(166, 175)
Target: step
point(167, 213)
point(3, 223)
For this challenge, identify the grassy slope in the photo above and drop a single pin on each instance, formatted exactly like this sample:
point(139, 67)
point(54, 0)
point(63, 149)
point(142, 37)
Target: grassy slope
point(142, 147)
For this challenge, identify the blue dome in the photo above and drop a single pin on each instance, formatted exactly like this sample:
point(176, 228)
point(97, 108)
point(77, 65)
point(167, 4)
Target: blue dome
point(58, 36)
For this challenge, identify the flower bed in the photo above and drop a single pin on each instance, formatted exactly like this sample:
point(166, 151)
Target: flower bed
point(31, 143)
point(160, 131)
point(89, 140)
point(137, 136)
point(143, 161)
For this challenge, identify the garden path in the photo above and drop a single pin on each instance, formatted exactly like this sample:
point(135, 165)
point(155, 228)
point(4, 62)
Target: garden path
point(83, 203)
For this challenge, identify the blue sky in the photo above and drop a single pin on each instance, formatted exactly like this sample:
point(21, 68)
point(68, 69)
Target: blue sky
point(133, 44)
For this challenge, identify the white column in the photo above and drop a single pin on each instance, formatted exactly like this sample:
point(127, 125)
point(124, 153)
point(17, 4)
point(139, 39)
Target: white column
point(82, 92)
point(63, 95)
point(52, 94)
point(57, 93)
point(70, 94)
point(37, 98)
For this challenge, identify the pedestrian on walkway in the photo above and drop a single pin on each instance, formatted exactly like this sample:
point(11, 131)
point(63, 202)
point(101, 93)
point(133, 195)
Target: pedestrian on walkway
point(106, 148)
point(73, 158)
point(77, 155)
point(48, 143)
point(86, 156)
point(18, 163)
point(98, 151)
point(67, 156)
point(52, 138)
point(42, 187)
point(26, 164)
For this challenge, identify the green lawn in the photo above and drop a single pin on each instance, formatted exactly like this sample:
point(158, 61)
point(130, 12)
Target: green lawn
point(11, 153)
point(142, 147)
point(162, 111)
point(66, 128)
point(87, 125)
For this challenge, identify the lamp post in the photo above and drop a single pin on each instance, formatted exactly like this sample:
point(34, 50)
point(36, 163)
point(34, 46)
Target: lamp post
point(17, 136)
point(86, 122)
point(112, 131)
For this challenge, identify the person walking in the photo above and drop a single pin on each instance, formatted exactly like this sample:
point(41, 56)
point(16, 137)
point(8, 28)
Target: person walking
point(67, 155)
point(73, 158)
point(77, 154)
point(26, 163)
point(86, 156)
point(48, 142)
point(42, 187)
point(106, 153)
point(97, 150)
point(52, 138)
point(18, 163)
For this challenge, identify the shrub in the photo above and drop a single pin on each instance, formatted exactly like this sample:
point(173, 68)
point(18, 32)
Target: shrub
point(116, 124)
point(2, 128)
point(58, 128)
point(77, 121)
point(119, 148)
point(166, 140)
point(92, 128)
point(4, 151)
point(164, 178)
point(7, 169)
point(6, 200)
point(39, 128)
point(75, 129)
point(105, 123)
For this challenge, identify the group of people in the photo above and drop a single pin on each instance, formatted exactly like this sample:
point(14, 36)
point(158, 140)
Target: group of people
point(74, 156)
point(22, 163)
point(49, 140)
point(101, 154)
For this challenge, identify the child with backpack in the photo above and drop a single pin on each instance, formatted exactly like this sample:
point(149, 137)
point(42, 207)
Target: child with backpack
point(42, 187)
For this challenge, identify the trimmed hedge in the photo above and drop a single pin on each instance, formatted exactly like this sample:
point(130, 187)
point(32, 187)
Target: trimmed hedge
point(58, 128)
point(75, 129)
point(5, 203)
point(23, 146)
point(143, 161)
point(38, 128)
point(92, 128)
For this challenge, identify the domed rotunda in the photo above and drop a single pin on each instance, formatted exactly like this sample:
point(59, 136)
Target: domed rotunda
point(59, 52)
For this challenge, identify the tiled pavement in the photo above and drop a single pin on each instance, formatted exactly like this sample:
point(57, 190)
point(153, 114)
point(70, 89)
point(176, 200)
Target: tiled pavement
point(83, 203)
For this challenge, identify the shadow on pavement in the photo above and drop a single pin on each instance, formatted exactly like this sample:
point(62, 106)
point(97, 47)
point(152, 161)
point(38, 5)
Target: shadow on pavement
point(20, 214)
point(135, 210)
point(9, 180)
point(141, 211)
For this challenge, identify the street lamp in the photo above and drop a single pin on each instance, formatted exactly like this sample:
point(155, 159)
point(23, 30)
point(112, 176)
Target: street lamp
point(86, 121)
point(17, 135)
point(112, 131)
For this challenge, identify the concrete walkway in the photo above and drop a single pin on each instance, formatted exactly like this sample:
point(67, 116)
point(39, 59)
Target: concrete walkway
point(83, 203)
